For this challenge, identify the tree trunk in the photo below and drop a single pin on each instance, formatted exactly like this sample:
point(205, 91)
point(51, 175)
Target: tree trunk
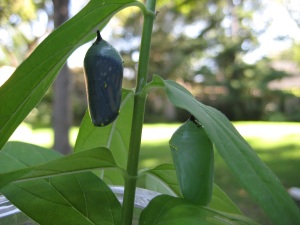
point(62, 113)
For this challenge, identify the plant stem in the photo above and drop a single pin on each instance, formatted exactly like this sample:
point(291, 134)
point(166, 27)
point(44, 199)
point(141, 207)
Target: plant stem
point(138, 116)
point(145, 46)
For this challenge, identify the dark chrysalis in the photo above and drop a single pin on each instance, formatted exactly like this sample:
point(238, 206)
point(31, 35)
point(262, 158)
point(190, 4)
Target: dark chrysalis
point(193, 157)
point(103, 76)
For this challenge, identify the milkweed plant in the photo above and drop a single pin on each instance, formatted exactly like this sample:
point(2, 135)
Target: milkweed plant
point(74, 189)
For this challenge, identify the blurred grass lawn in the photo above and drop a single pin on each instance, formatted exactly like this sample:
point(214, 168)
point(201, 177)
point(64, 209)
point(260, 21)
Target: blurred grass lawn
point(277, 144)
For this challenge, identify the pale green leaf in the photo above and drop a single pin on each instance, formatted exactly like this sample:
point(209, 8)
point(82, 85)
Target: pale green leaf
point(81, 199)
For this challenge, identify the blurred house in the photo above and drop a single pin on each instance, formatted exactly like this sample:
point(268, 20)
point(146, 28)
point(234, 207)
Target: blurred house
point(289, 84)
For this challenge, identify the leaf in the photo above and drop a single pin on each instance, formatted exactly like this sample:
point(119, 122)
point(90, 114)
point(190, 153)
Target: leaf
point(221, 202)
point(15, 160)
point(163, 179)
point(33, 77)
point(71, 199)
point(115, 136)
point(169, 210)
point(21, 161)
point(246, 166)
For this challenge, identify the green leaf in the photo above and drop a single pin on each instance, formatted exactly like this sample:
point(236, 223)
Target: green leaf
point(163, 179)
point(115, 136)
point(15, 160)
point(168, 210)
point(221, 202)
point(33, 77)
point(21, 161)
point(246, 166)
point(71, 199)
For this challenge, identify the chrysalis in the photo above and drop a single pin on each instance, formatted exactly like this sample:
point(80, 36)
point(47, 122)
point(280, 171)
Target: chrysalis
point(103, 75)
point(193, 157)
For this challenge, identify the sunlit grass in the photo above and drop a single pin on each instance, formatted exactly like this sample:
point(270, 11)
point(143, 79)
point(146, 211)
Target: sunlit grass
point(280, 139)
point(273, 141)
point(42, 136)
point(262, 136)
point(266, 130)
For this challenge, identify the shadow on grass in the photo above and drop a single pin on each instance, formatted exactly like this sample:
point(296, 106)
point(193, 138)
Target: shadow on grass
point(282, 156)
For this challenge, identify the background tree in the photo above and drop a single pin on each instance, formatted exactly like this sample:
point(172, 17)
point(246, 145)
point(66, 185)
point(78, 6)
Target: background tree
point(292, 7)
point(62, 107)
point(203, 44)
point(22, 23)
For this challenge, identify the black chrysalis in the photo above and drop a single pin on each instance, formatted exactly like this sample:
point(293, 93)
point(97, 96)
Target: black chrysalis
point(103, 75)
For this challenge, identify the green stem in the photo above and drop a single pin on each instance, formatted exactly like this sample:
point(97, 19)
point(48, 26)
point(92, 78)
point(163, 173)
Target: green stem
point(138, 117)
point(145, 46)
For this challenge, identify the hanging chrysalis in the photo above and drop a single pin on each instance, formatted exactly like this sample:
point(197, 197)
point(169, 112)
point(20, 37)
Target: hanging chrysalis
point(103, 67)
point(193, 157)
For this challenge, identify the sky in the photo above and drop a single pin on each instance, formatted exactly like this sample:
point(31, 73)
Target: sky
point(282, 25)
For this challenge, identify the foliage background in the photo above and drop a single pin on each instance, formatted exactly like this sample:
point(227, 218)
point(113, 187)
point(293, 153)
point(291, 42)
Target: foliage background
point(200, 44)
